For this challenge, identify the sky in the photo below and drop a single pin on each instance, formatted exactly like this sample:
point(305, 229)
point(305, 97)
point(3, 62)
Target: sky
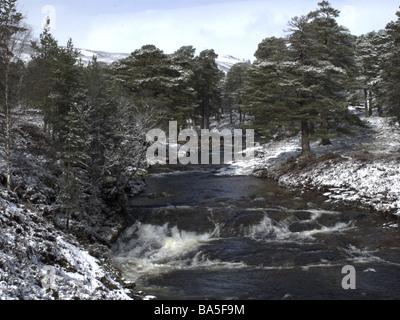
point(232, 27)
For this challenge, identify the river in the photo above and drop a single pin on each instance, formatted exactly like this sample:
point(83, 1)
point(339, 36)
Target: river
point(197, 235)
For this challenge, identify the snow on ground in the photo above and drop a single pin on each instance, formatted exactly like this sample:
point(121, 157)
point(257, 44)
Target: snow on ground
point(38, 262)
point(373, 184)
point(363, 170)
point(265, 155)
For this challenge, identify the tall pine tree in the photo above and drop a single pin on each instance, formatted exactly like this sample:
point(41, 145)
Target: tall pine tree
point(302, 85)
point(74, 180)
point(41, 77)
point(182, 92)
point(368, 59)
point(265, 92)
point(12, 39)
point(206, 81)
point(55, 80)
point(232, 89)
point(392, 68)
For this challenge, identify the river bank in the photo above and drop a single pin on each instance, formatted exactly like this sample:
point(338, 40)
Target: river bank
point(361, 179)
point(39, 258)
point(361, 169)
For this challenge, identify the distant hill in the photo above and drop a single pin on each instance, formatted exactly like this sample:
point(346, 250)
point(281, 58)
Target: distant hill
point(102, 56)
point(224, 62)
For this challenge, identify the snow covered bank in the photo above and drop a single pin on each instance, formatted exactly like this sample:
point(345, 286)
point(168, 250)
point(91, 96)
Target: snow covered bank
point(39, 260)
point(30, 246)
point(361, 169)
point(365, 181)
point(265, 156)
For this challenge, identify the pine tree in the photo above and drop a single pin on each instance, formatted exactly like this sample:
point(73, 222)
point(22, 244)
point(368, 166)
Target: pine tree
point(101, 112)
point(12, 39)
point(324, 53)
point(232, 89)
point(272, 49)
point(368, 60)
point(56, 82)
point(152, 78)
point(183, 95)
point(74, 181)
point(145, 74)
point(265, 91)
point(302, 85)
point(391, 72)
point(67, 88)
point(54, 78)
point(336, 57)
point(384, 47)
point(41, 77)
point(206, 82)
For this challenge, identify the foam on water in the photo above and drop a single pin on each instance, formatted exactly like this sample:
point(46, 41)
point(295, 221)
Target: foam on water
point(150, 249)
point(146, 249)
point(271, 230)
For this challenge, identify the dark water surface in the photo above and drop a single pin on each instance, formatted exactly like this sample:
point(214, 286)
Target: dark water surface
point(196, 235)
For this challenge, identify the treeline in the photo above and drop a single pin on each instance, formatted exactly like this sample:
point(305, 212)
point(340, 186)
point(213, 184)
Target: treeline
point(305, 82)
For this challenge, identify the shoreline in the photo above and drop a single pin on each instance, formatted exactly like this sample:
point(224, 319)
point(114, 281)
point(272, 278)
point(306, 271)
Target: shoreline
point(360, 170)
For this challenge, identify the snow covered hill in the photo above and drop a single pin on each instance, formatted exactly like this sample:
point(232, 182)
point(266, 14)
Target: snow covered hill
point(224, 62)
point(102, 56)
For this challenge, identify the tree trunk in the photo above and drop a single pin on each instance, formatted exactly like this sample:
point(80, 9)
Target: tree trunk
point(380, 111)
point(7, 127)
point(203, 117)
point(69, 186)
point(370, 105)
point(305, 141)
point(325, 141)
point(366, 102)
point(207, 114)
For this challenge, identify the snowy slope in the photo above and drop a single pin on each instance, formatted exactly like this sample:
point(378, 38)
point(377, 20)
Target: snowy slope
point(30, 245)
point(104, 57)
point(226, 62)
point(30, 242)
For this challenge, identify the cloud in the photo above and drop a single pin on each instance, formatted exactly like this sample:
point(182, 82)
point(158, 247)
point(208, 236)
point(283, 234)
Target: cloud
point(236, 27)
point(348, 17)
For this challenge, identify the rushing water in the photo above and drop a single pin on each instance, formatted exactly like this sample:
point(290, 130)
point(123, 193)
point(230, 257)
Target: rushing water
point(196, 235)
